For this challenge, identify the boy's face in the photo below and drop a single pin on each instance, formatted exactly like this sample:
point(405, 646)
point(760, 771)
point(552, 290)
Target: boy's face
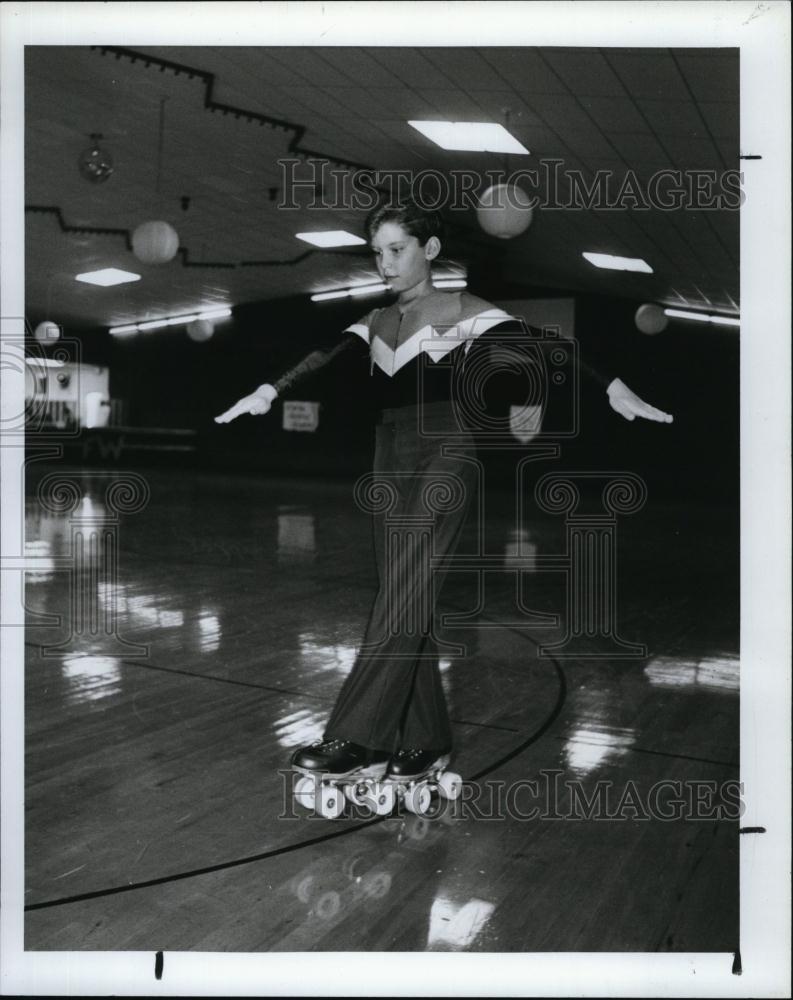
point(401, 260)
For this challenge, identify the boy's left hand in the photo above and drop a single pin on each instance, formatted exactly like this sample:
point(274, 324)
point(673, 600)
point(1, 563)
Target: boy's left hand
point(630, 406)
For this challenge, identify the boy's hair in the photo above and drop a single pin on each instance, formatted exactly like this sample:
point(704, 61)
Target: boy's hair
point(419, 222)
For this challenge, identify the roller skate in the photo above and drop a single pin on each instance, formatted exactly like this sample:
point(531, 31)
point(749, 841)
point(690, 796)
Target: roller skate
point(416, 774)
point(334, 771)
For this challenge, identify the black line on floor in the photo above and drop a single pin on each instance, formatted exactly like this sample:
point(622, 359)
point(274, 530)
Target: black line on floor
point(485, 725)
point(332, 835)
point(266, 687)
point(561, 697)
point(223, 680)
point(207, 870)
point(203, 677)
point(345, 831)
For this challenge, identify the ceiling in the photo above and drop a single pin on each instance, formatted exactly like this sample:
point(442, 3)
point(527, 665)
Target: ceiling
point(230, 114)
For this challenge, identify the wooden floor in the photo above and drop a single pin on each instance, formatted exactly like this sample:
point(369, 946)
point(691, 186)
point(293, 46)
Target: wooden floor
point(156, 813)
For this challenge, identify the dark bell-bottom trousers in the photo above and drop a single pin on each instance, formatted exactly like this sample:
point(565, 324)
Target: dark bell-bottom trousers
point(393, 697)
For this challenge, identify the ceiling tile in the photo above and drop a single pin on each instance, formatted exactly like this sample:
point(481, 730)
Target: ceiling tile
point(642, 148)
point(528, 73)
point(560, 111)
point(673, 117)
point(465, 68)
point(411, 67)
point(690, 153)
point(721, 117)
point(585, 72)
point(227, 164)
point(730, 151)
point(589, 144)
point(615, 114)
point(452, 105)
point(361, 67)
point(648, 74)
point(711, 75)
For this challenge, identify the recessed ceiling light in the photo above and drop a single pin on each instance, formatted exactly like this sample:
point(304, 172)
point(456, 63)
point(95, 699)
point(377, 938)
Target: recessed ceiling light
point(334, 238)
point(479, 137)
point(613, 263)
point(107, 276)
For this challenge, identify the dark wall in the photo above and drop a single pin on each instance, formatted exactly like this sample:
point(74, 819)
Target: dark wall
point(690, 370)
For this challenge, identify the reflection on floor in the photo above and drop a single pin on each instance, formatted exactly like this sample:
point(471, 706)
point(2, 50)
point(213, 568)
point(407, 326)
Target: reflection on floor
point(202, 638)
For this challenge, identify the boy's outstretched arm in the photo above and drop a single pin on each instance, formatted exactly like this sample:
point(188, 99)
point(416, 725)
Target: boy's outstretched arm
point(621, 399)
point(629, 405)
point(624, 400)
point(260, 401)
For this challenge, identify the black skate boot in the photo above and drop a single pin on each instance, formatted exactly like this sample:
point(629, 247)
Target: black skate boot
point(334, 770)
point(410, 764)
point(416, 774)
point(339, 759)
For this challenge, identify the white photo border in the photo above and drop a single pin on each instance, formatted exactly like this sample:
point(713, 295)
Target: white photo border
point(762, 33)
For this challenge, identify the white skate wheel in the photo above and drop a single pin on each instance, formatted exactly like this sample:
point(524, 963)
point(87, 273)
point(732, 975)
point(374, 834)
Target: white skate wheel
point(416, 827)
point(304, 791)
point(330, 802)
point(358, 793)
point(328, 905)
point(417, 799)
point(381, 798)
point(376, 885)
point(303, 891)
point(450, 785)
point(355, 867)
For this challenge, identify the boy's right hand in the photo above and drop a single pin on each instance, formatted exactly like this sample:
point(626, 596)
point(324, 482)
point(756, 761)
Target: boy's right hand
point(257, 403)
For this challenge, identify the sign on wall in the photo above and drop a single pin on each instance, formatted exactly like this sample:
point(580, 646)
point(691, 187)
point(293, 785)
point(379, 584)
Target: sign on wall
point(300, 416)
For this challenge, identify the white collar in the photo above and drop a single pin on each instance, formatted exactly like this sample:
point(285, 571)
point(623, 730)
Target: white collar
point(436, 342)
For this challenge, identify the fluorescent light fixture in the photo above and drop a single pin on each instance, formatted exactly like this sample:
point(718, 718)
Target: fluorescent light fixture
point(215, 313)
point(107, 276)
point(613, 263)
point(450, 283)
point(335, 238)
point(479, 137)
point(326, 296)
point(367, 289)
point(173, 321)
point(156, 324)
point(703, 317)
point(372, 289)
point(43, 363)
point(342, 293)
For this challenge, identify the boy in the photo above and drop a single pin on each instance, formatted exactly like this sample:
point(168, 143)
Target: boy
point(390, 717)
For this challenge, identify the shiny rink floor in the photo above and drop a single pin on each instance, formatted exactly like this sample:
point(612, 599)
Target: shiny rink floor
point(157, 807)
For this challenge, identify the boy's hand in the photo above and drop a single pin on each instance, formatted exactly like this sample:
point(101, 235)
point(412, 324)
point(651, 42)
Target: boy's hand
point(257, 403)
point(630, 406)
